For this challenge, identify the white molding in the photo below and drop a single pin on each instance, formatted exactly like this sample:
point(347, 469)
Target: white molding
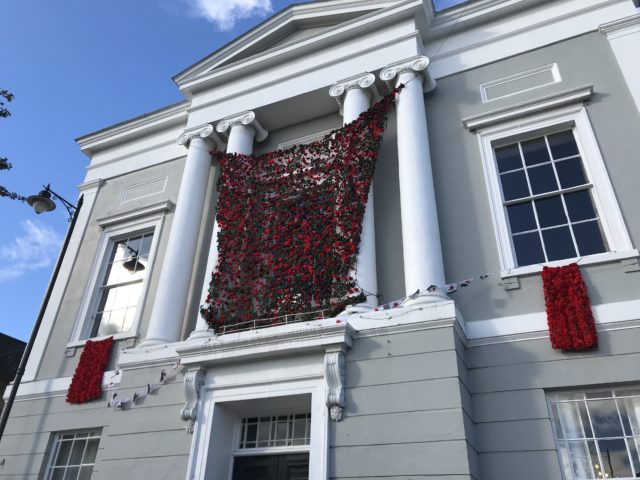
point(54, 386)
point(553, 68)
point(90, 192)
point(150, 218)
point(575, 117)
point(127, 191)
point(621, 27)
point(172, 115)
point(605, 314)
point(133, 215)
point(304, 140)
point(530, 107)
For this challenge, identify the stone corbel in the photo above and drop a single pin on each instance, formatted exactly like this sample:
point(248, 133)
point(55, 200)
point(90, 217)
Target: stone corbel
point(193, 382)
point(245, 119)
point(334, 373)
point(417, 65)
point(203, 131)
point(365, 81)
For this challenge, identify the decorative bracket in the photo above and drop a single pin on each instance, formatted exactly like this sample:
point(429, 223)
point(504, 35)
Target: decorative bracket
point(245, 119)
point(193, 381)
point(334, 372)
point(364, 81)
point(417, 65)
point(204, 132)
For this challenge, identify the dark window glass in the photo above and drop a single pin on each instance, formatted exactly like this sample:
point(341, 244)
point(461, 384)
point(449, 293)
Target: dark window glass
point(589, 238)
point(542, 179)
point(514, 185)
point(604, 417)
point(535, 151)
point(615, 459)
point(571, 173)
point(528, 248)
point(579, 205)
point(508, 158)
point(558, 243)
point(563, 144)
point(521, 217)
point(550, 212)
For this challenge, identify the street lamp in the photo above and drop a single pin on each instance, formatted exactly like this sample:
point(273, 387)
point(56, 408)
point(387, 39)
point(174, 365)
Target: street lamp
point(41, 203)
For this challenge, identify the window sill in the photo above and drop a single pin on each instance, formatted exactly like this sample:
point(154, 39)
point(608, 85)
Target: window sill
point(589, 260)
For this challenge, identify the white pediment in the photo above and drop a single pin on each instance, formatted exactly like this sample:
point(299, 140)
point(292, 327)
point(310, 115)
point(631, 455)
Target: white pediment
point(293, 24)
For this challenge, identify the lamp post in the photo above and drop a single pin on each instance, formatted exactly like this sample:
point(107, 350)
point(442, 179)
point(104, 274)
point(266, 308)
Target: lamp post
point(41, 203)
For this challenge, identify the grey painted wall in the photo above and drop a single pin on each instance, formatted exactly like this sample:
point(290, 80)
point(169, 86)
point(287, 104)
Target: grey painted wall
point(468, 238)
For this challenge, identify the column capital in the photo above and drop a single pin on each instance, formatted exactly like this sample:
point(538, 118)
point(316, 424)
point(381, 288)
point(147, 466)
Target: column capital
point(245, 119)
point(417, 65)
point(202, 131)
point(365, 81)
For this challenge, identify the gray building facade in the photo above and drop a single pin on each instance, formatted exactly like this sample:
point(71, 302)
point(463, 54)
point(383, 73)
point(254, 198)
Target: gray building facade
point(458, 387)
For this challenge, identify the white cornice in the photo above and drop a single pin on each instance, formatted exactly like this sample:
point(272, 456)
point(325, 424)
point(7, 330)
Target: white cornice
point(317, 41)
point(166, 117)
point(282, 20)
point(574, 95)
point(131, 215)
point(616, 26)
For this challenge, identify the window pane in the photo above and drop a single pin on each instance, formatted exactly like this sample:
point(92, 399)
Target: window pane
point(571, 173)
point(91, 451)
point(63, 453)
point(85, 473)
point(589, 238)
point(615, 458)
point(508, 158)
point(542, 179)
point(58, 474)
point(563, 144)
point(579, 205)
point(521, 217)
point(550, 212)
point(634, 449)
point(528, 248)
point(632, 410)
point(583, 457)
point(76, 452)
point(514, 185)
point(558, 243)
point(535, 151)
point(604, 417)
point(574, 420)
point(72, 473)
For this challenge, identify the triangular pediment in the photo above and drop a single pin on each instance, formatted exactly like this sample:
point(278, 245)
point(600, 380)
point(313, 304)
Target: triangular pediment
point(293, 24)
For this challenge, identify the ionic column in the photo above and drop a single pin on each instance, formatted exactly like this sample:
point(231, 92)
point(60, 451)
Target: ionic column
point(420, 233)
point(173, 286)
point(240, 131)
point(354, 96)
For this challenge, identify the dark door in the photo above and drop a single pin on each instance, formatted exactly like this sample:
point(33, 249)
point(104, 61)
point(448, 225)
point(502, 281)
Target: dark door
point(272, 467)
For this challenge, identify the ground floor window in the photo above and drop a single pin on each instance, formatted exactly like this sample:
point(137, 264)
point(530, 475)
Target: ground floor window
point(73, 455)
point(597, 433)
point(272, 467)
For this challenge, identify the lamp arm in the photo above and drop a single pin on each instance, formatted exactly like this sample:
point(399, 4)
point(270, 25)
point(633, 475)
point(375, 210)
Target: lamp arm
point(67, 204)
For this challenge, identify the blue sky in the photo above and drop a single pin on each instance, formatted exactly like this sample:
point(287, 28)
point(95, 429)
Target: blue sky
point(77, 66)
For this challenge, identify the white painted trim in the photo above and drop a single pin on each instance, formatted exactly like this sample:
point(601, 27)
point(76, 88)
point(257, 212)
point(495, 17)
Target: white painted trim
point(304, 140)
point(57, 385)
point(621, 27)
point(281, 385)
point(556, 100)
point(115, 227)
point(605, 314)
point(90, 192)
point(138, 213)
point(575, 117)
point(161, 183)
point(553, 68)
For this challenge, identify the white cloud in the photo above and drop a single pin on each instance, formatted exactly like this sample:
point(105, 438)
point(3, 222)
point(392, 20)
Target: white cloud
point(225, 13)
point(36, 247)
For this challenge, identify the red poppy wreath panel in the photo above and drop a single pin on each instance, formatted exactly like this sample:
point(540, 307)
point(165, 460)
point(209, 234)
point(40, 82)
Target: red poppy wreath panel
point(86, 384)
point(290, 224)
point(571, 322)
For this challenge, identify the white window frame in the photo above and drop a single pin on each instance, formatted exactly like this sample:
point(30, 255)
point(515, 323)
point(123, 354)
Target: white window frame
point(55, 440)
point(572, 117)
point(115, 229)
point(208, 432)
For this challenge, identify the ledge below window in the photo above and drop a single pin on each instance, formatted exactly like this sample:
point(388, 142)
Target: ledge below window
point(128, 339)
point(606, 257)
